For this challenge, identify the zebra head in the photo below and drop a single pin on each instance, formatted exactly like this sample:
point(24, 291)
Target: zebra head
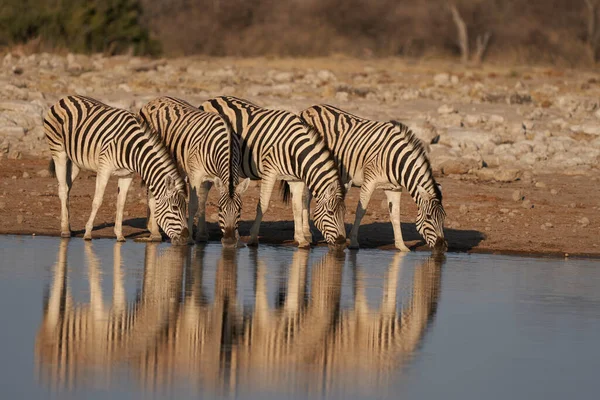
point(430, 218)
point(230, 209)
point(329, 216)
point(171, 211)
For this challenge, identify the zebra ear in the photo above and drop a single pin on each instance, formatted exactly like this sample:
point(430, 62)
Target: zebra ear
point(169, 184)
point(424, 194)
point(439, 187)
point(219, 184)
point(348, 185)
point(242, 186)
point(330, 191)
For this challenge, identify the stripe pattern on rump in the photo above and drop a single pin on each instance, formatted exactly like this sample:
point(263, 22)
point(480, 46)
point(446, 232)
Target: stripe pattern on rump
point(207, 150)
point(277, 144)
point(83, 133)
point(387, 155)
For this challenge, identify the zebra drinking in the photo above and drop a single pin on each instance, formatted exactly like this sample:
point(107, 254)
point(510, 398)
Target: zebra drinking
point(276, 144)
point(382, 155)
point(84, 133)
point(206, 148)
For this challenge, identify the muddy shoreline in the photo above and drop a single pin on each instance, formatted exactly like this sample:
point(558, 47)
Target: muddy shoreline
point(483, 217)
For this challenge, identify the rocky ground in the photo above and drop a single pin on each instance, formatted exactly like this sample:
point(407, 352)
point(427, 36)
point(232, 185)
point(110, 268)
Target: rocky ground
point(517, 149)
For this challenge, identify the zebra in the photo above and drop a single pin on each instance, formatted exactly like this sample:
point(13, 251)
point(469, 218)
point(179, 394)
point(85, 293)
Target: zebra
point(276, 144)
point(206, 148)
point(83, 133)
point(385, 155)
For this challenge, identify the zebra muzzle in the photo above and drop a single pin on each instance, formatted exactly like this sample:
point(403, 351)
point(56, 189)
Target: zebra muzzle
point(229, 237)
point(441, 245)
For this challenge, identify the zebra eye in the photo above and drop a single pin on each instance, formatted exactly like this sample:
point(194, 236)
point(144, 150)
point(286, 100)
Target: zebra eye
point(175, 208)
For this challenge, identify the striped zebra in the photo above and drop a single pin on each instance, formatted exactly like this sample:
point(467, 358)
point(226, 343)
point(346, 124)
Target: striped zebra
point(85, 134)
point(276, 144)
point(382, 155)
point(206, 148)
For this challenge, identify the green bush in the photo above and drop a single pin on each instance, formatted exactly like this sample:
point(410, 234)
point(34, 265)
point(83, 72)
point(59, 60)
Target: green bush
point(111, 26)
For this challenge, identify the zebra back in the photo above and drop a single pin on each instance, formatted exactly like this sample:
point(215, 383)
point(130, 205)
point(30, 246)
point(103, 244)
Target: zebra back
point(197, 140)
point(281, 139)
point(391, 148)
point(94, 134)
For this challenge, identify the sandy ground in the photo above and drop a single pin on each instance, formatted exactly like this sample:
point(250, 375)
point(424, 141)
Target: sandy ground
point(482, 216)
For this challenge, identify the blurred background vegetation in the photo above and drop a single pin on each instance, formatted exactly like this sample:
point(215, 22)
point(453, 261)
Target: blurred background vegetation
point(520, 31)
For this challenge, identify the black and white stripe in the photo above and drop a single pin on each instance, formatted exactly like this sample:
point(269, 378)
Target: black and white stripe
point(205, 147)
point(276, 144)
point(385, 155)
point(85, 134)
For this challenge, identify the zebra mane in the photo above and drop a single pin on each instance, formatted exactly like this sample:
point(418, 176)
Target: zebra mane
point(417, 146)
point(229, 126)
point(314, 134)
point(161, 150)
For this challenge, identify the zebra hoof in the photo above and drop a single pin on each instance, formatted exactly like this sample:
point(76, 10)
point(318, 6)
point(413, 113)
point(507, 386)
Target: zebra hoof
point(304, 245)
point(201, 239)
point(65, 234)
point(252, 243)
point(87, 237)
point(403, 248)
point(353, 246)
point(120, 239)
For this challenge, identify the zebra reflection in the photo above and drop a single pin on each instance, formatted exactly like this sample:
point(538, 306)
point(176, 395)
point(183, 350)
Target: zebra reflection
point(73, 338)
point(190, 326)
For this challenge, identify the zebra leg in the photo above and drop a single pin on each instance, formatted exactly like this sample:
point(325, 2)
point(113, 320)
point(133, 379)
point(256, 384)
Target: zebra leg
point(121, 197)
point(155, 235)
point(61, 168)
point(306, 197)
point(266, 189)
point(202, 191)
point(393, 198)
point(297, 191)
point(101, 181)
point(366, 191)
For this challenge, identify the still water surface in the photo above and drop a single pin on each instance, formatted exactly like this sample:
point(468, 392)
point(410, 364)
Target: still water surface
point(110, 320)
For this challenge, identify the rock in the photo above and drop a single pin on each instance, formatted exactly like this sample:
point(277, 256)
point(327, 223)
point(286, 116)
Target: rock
point(485, 174)
point(518, 195)
point(19, 219)
point(283, 77)
point(554, 192)
point(124, 87)
point(341, 96)
point(446, 109)
point(584, 221)
point(43, 173)
point(23, 107)
point(14, 131)
point(26, 175)
point(526, 204)
point(459, 166)
point(2, 205)
point(507, 175)
point(463, 209)
point(14, 155)
point(496, 119)
point(540, 185)
point(441, 79)
point(325, 75)
point(473, 119)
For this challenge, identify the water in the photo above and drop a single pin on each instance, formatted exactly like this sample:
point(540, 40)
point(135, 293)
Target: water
point(132, 320)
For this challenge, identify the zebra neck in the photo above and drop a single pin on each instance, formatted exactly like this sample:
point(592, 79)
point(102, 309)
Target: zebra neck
point(151, 160)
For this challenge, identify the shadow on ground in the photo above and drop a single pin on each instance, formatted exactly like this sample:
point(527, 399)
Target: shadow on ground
point(374, 235)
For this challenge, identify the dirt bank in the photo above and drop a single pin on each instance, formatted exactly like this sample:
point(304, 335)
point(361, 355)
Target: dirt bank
point(482, 216)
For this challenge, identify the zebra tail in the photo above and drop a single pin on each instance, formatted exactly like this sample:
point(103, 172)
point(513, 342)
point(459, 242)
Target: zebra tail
point(284, 189)
point(52, 168)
